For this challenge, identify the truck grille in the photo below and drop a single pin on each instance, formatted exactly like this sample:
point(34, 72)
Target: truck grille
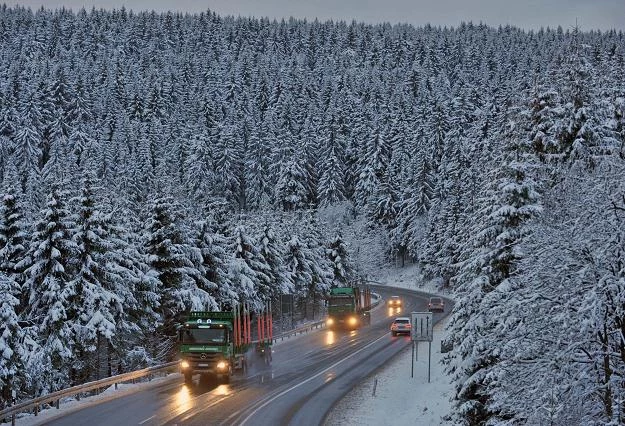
point(203, 357)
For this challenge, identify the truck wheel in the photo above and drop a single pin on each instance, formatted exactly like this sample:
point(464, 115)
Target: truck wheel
point(394, 333)
point(188, 378)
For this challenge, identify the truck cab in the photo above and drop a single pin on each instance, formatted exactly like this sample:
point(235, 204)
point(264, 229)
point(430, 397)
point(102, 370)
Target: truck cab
point(348, 308)
point(207, 346)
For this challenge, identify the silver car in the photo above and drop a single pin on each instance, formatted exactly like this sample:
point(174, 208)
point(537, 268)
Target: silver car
point(400, 325)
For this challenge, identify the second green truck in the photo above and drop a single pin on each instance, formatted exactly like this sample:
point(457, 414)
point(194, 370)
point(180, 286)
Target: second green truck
point(348, 307)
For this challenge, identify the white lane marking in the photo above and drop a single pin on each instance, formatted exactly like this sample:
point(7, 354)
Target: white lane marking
point(147, 420)
point(385, 336)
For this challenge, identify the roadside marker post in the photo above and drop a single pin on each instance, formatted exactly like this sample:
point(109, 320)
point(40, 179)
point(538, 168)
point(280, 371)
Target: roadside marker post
point(422, 330)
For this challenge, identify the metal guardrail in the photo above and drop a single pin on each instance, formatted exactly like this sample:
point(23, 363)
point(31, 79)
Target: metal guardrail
point(55, 397)
point(299, 330)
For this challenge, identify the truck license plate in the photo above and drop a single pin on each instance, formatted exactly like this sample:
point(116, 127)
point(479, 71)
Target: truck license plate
point(202, 365)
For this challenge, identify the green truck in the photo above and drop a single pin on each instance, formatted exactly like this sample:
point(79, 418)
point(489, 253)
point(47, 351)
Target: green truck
point(214, 344)
point(348, 307)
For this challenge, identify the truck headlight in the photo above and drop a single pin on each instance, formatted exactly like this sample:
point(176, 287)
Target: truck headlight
point(353, 321)
point(221, 365)
point(184, 364)
point(330, 321)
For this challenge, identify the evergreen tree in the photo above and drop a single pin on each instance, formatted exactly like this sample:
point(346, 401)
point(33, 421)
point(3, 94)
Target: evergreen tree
point(53, 257)
point(97, 307)
point(215, 262)
point(291, 189)
point(11, 352)
point(343, 271)
point(249, 270)
point(272, 253)
point(512, 201)
point(170, 261)
point(12, 237)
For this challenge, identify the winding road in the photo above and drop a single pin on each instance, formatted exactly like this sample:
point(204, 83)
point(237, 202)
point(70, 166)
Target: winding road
point(308, 375)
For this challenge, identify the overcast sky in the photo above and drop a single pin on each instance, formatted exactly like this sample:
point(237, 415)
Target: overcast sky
point(528, 14)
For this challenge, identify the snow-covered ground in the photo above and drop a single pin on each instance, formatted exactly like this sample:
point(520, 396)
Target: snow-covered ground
point(400, 399)
point(409, 277)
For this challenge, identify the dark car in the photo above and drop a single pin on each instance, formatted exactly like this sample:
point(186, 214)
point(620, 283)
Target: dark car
point(436, 304)
point(400, 325)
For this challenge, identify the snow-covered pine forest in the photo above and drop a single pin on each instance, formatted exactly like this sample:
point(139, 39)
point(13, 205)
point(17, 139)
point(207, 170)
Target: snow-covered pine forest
point(156, 163)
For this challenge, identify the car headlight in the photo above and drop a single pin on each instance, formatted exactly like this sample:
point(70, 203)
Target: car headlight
point(221, 365)
point(330, 321)
point(353, 321)
point(184, 364)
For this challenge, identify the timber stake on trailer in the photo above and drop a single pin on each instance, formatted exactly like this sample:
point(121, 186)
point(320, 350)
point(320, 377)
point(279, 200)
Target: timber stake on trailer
point(270, 323)
point(249, 325)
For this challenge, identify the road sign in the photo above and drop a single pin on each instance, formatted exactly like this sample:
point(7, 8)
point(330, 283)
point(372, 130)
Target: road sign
point(422, 326)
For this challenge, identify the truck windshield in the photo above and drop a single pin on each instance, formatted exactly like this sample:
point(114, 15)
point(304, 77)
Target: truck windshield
point(204, 335)
point(341, 301)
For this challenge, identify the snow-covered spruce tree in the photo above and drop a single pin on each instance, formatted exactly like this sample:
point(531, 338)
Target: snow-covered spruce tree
point(229, 166)
point(331, 185)
point(200, 177)
point(169, 259)
point(52, 255)
point(292, 187)
point(249, 270)
point(272, 251)
point(11, 356)
point(96, 306)
point(27, 152)
point(412, 207)
point(576, 131)
point(384, 202)
point(215, 261)
point(509, 203)
point(298, 263)
point(129, 273)
point(13, 244)
point(373, 163)
point(321, 268)
point(343, 270)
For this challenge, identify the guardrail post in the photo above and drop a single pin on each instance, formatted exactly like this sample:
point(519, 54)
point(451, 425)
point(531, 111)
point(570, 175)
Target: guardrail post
point(36, 410)
point(13, 419)
point(57, 403)
point(115, 385)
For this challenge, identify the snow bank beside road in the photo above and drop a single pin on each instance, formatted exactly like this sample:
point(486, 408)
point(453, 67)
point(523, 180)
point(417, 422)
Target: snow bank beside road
point(408, 277)
point(400, 399)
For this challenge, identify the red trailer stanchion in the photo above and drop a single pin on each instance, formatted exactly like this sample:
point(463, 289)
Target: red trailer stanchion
point(249, 327)
point(244, 330)
point(270, 323)
point(262, 328)
point(237, 326)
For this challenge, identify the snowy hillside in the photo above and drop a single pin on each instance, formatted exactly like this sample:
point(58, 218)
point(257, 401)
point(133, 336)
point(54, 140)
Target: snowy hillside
point(151, 164)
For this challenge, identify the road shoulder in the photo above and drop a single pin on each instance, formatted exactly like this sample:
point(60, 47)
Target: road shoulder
point(400, 399)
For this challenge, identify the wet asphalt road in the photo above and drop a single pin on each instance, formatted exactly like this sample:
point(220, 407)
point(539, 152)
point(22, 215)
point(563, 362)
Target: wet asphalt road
point(307, 376)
